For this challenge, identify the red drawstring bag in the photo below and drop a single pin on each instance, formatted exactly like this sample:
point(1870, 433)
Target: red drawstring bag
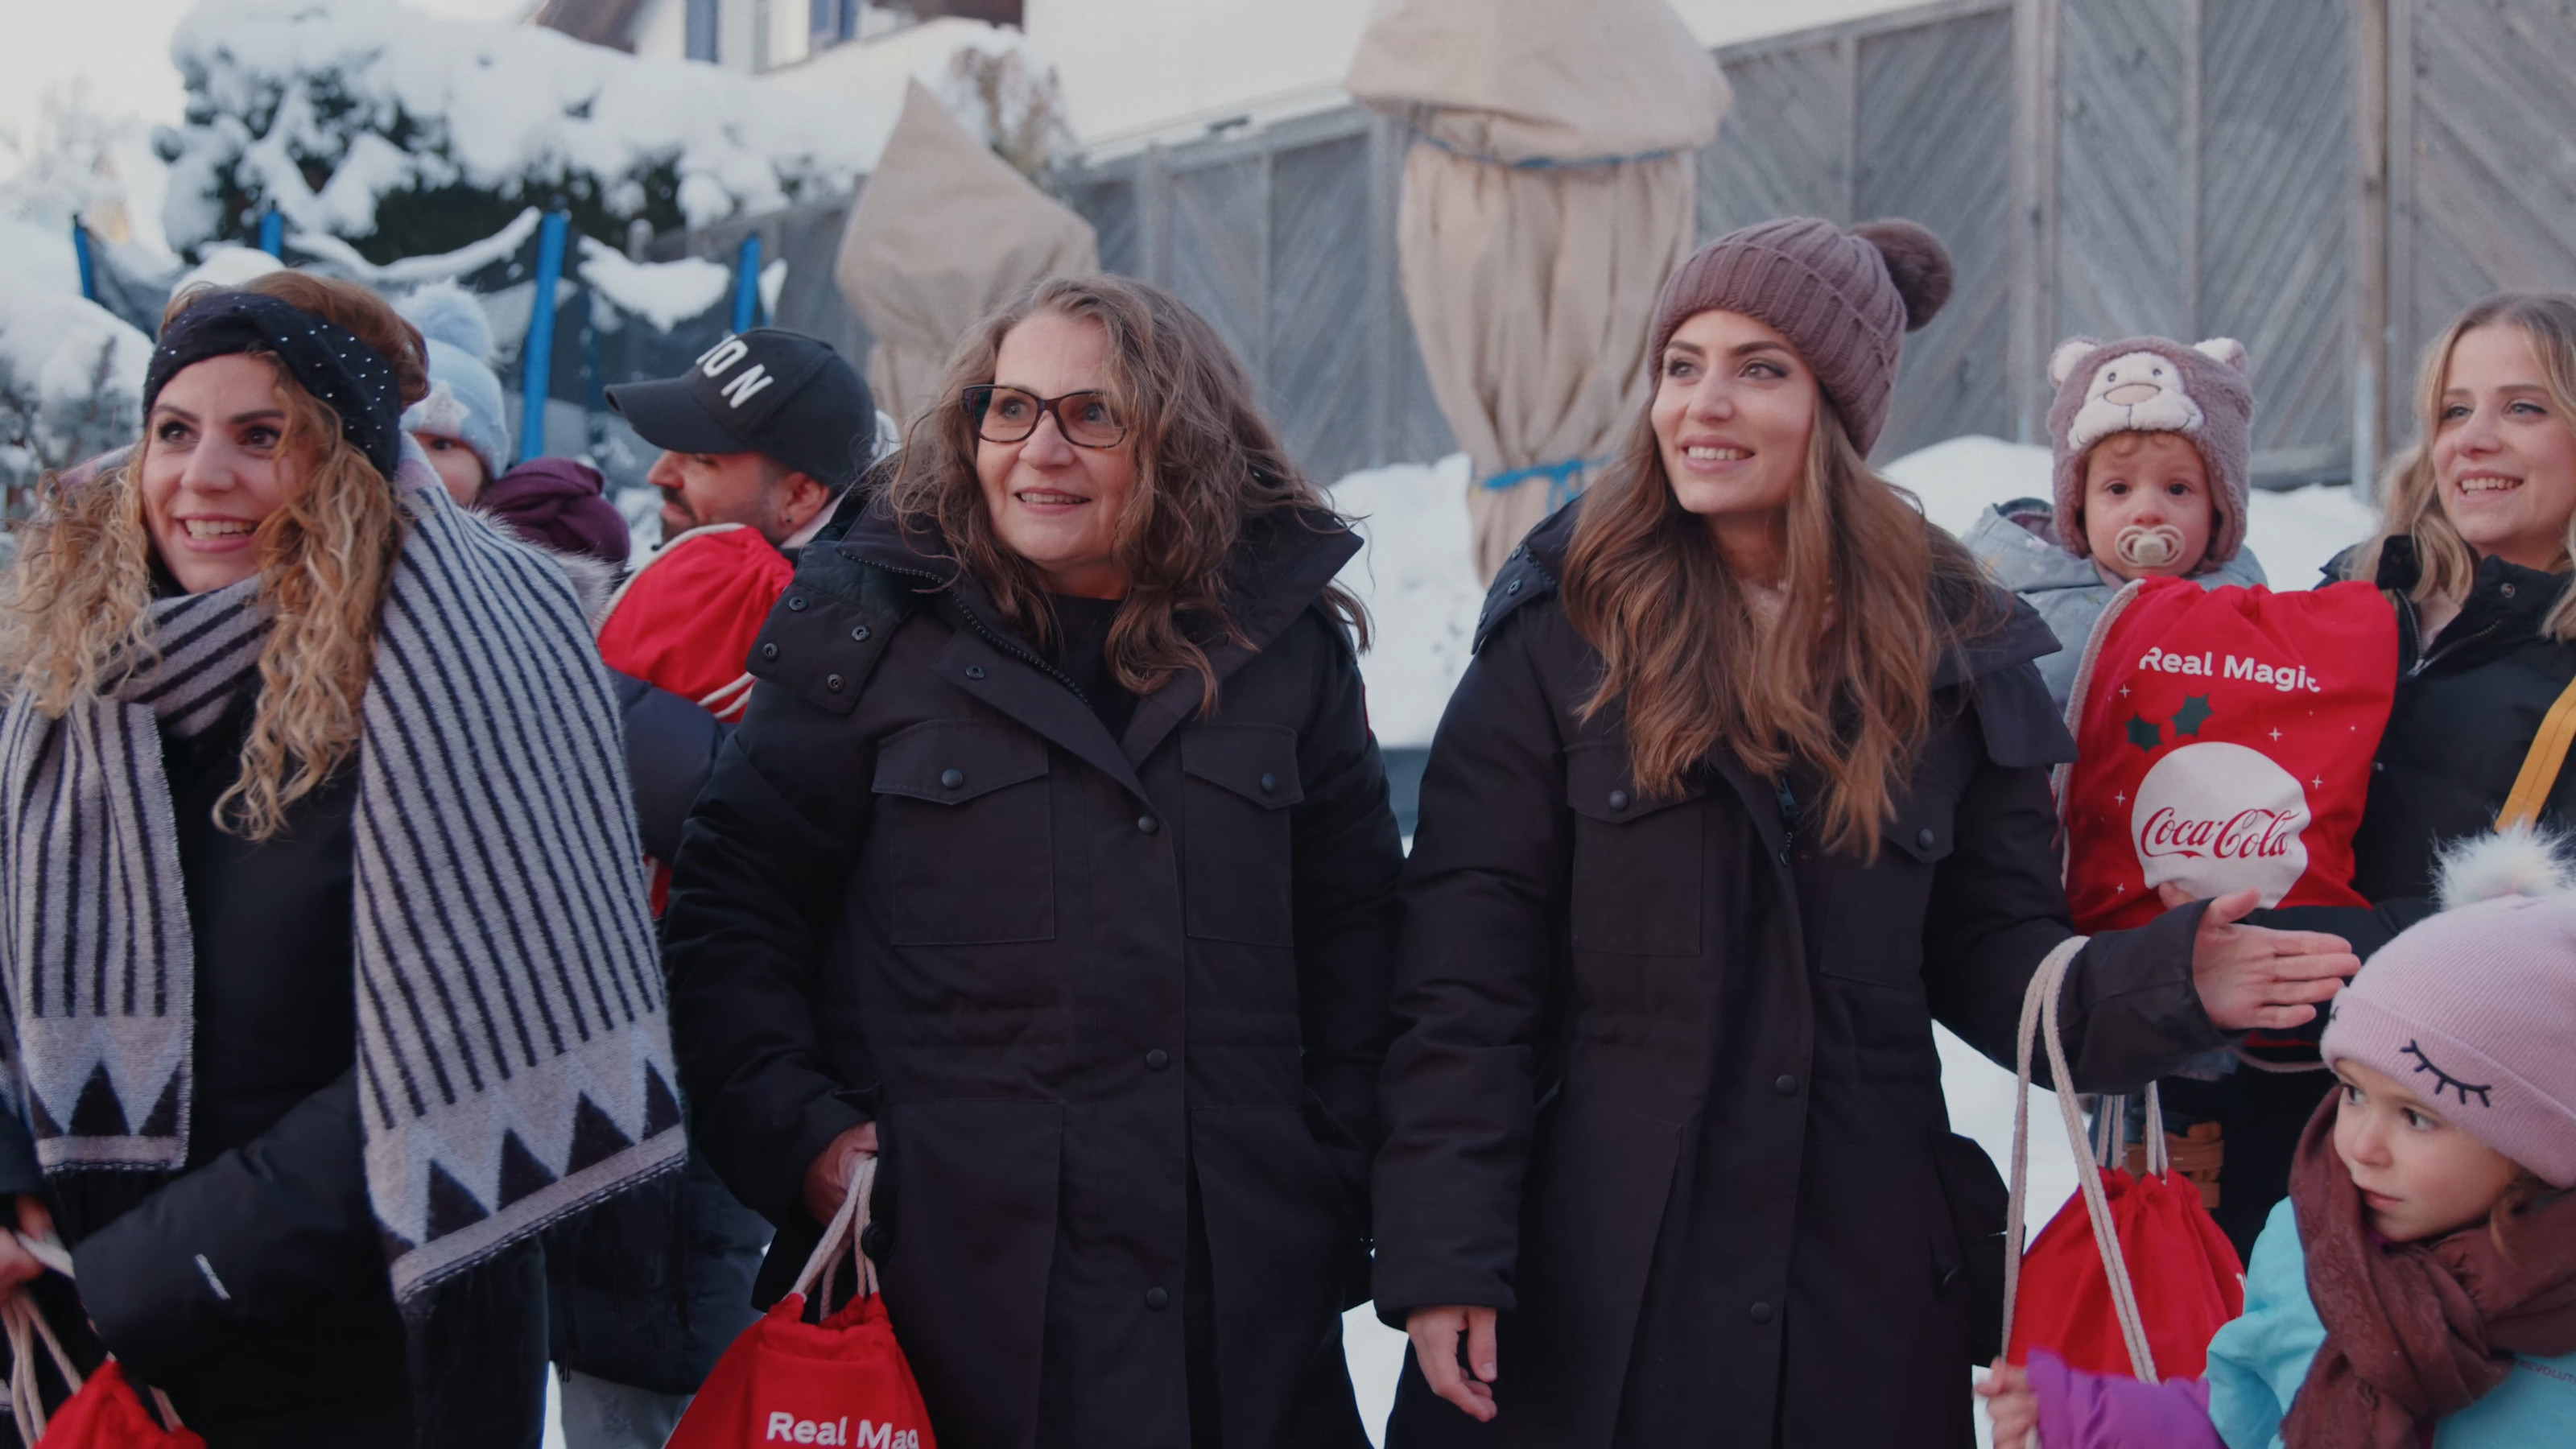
point(106, 1414)
point(843, 1381)
point(2132, 1276)
point(687, 619)
point(2223, 740)
point(104, 1411)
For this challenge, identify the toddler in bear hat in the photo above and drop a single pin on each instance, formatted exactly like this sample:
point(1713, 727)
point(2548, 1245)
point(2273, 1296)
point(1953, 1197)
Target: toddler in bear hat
point(2152, 440)
point(2419, 1285)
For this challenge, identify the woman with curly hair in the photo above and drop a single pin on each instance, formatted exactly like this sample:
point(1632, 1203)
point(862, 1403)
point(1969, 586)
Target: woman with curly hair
point(328, 976)
point(1053, 860)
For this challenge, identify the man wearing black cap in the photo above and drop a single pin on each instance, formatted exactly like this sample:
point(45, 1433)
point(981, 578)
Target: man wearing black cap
point(765, 429)
point(760, 436)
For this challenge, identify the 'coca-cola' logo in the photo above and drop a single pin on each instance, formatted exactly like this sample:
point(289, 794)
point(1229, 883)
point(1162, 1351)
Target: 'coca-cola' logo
point(2217, 817)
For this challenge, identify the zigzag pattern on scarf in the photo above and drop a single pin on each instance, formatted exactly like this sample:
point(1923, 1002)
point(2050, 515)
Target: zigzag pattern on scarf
point(514, 1062)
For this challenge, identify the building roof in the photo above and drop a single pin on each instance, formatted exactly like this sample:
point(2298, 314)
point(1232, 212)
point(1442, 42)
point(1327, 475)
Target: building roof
point(600, 22)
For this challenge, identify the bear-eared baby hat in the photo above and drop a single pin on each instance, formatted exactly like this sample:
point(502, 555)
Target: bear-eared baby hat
point(1844, 299)
point(2154, 385)
point(2474, 1008)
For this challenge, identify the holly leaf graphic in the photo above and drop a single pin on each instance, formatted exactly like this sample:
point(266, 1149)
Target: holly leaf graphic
point(2144, 734)
point(2195, 711)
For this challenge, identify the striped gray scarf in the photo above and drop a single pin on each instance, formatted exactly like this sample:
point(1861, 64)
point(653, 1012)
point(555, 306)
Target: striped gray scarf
point(513, 1061)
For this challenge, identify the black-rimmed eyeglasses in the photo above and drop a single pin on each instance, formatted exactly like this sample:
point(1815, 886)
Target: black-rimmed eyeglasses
point(1009, 415)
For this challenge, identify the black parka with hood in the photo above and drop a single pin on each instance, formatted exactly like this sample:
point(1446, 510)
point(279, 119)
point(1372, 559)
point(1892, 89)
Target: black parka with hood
point(1667, 1092)
point(1117, 1004)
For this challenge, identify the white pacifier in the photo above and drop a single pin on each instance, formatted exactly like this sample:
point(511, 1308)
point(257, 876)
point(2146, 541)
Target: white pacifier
point(2148, 548)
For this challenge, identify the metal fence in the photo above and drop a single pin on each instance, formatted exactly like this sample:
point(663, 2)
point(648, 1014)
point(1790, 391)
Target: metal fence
point(2327, 181)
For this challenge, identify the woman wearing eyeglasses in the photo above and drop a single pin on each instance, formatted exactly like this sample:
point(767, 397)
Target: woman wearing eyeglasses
point(1053, 862)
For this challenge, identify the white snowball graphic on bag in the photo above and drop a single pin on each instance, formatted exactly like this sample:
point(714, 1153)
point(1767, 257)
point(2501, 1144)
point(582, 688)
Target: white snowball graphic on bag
point(2214, 818)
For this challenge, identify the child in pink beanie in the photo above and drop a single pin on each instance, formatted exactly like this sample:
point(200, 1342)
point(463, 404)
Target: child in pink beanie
point(2419, 1285)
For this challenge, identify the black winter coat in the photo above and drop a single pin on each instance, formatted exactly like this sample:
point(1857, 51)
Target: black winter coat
point(1667, 1092)
point(1090, 989)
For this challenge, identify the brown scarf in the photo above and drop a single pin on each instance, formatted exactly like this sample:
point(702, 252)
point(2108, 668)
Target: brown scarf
point(2417, 1331)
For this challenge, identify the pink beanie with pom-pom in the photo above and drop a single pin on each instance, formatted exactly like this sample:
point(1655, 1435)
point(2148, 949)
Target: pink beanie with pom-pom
point(1844, 299)
point(2474, 1008)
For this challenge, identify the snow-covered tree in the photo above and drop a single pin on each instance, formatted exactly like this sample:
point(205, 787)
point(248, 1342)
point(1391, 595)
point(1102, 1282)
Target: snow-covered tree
point(403, 134)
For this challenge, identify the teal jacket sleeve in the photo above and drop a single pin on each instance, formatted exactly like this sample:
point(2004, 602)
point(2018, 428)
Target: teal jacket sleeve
point(2257, 1363)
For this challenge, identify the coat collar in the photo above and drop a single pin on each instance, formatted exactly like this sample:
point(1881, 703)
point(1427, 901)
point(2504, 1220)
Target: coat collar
point(2508, 605)
point(1533, 570)
point(1277, 571)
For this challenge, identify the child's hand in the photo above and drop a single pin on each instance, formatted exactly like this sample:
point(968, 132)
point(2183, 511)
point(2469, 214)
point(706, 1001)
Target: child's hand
point(2011, 1405)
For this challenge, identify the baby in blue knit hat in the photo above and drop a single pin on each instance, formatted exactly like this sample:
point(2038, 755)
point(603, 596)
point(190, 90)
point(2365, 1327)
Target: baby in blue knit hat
point(462, 423)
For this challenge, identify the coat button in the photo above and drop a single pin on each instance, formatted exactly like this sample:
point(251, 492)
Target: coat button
point(974, 671)
point(1787, 1085)
point(1148, 824)
point(860, 633)
point(1761, 1312)
point(1618, 799)
point(1514, 587)
point(1157, 1299)
point(1270, 784)
point(1923, 838)
point(796, 603)
point(2508, 591)
point(1158, 1059)
point(768, 651)
point(951, 778)
point(832, 682)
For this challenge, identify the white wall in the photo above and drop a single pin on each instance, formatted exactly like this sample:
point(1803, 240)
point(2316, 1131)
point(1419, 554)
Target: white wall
point(1133, 66)
point(662, 30)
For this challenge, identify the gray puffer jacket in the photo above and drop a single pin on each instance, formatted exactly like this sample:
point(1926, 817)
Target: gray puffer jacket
point(2069, 592)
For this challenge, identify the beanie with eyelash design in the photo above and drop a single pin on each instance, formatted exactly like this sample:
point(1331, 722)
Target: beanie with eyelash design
point(2474, 1009)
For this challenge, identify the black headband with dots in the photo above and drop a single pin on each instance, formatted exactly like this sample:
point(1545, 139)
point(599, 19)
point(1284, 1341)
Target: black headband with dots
point(328, 360)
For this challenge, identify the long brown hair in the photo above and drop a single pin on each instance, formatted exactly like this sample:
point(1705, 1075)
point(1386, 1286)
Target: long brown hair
point(1207, 464)
point(2411, 496)
point(77, 614)
point(1841, 681)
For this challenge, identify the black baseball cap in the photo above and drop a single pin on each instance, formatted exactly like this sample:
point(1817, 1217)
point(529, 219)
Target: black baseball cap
point(769, 391)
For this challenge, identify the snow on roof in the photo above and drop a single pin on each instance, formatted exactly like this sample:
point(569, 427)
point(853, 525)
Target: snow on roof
point(376, 98)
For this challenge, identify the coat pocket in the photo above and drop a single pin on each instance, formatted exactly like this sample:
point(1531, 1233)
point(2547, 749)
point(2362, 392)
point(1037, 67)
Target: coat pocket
point(1639, 873)
point(965, 834)
point(1239, 781)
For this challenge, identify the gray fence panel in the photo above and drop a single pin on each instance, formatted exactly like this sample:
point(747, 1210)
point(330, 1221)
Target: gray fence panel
point(1785, 147)
point(1220, 251)
point(1320, 385)
point(2123, 195)
point(2490, 203)
point(1933, 141)
point(2276, 157)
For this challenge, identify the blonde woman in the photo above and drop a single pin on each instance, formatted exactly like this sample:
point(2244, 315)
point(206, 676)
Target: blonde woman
point(1746, 787)
point(2473, 545)
point(2478, 524)
point(322, 928)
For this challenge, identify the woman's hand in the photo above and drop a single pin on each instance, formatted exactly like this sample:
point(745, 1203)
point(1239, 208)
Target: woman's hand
point(18, 1267)
point(2252, 977)
point(1434, 1332)
point(827, 1177)
point(2010, 1404)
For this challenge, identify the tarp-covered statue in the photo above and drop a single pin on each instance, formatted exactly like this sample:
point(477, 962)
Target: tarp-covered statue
point(1551, 190)
point(944, 233)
